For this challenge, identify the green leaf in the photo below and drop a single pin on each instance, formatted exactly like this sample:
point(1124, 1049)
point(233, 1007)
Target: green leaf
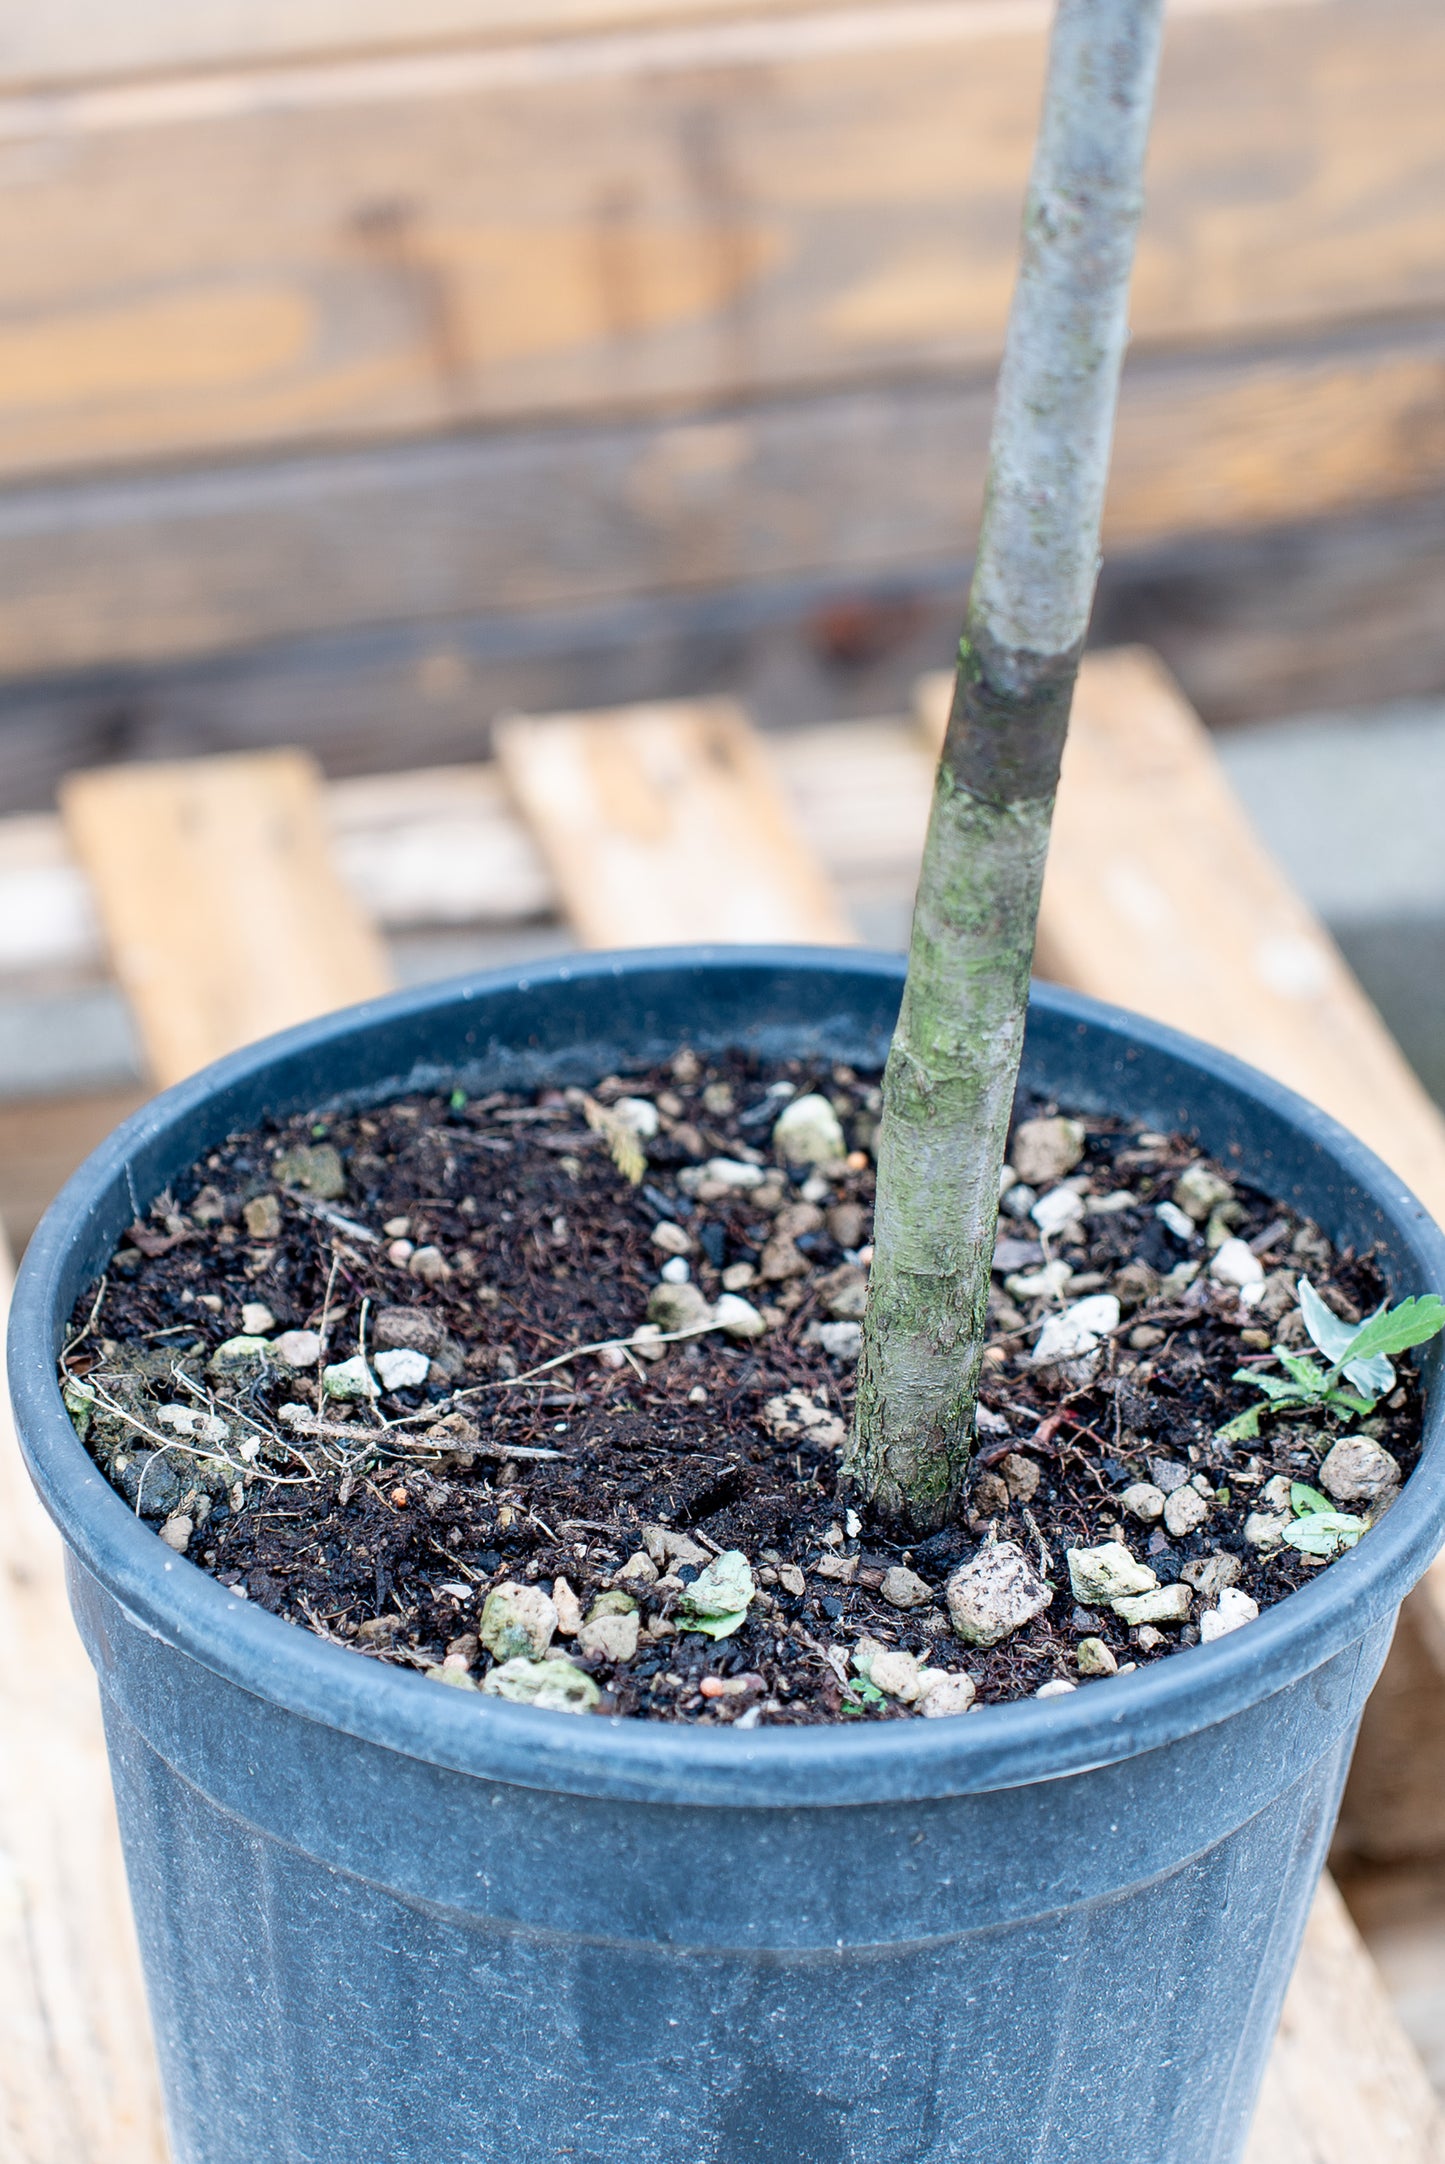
point(1243, 1428)
point(1324, 1532)
point(458, 1100)
point(861, 1694)
point(1304, 1373)
point(1345, 1400)
point(1304, 1499)
point(1397, 1329)
point(714, 1626)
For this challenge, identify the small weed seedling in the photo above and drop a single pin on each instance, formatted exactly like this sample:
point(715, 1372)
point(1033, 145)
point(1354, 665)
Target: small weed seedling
point(1318, 1528)
point(1358, 1354)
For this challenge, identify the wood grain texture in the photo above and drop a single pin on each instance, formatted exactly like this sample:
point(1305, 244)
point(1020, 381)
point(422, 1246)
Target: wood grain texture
point(677, 215)
point(1344, 2084)
point(42, 1142)
point(77, 2069)
point(225, 917)
point(1160, 897)
point(844, 484)
point(665, 824)
point(83, 40)
point(1394, 1802)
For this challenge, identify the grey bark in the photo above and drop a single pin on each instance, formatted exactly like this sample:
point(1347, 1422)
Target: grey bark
point(948, 1089)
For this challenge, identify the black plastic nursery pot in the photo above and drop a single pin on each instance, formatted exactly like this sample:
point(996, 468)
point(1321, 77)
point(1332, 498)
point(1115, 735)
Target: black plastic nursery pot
point(388, 1923)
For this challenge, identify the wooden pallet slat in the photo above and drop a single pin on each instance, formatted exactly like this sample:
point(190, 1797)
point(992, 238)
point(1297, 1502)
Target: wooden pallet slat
point(663, 824)
point(852, 484)
point(77, 2071)
point(683, 214)
point(1159, 896)
point(225, 917)
point(1344, 2084)
point(90, 39)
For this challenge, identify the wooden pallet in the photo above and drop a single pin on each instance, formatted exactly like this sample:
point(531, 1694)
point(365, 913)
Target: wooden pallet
point(1343, 2087)
point(702, 300)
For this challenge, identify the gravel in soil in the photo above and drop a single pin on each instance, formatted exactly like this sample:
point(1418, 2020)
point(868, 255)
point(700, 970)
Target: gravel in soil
point(339, 1369)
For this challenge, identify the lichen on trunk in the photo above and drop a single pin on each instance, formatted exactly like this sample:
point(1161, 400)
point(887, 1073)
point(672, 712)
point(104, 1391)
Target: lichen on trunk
point(948, 1090)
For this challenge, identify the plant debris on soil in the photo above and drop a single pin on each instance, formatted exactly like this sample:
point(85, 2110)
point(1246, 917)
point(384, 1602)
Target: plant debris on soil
point(545, 1395)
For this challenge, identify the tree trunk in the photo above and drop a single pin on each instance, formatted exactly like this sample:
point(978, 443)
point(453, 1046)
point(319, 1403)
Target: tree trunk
point(949, 1085)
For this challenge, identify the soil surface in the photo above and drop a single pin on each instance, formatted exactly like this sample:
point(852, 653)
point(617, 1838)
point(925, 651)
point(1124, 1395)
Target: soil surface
point(337, 1370)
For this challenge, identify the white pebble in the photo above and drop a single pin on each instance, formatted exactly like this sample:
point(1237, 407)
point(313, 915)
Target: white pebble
point(1236, 1263)
point(1169, 1214)
point(1166, 1604)
point(1051, 1282)
point(840, 1340)
point(807, 1132)
point(947, 1694)
point(1184, 1512)
point(402, 1368)
point(639, 1114)
point(738, 1318)
point(349, 1379)
point(1357, 1471)
point(1059, 1688)
point(1101, 1574)
point(995, 1594)
point(1058, 1208)
point(1077, 1330)
point(298, 1348)
point(1198, 1192)
point(675, 1270)
point(1144, 1501)
point(671, 1238)
point(1235, 1608)
point(257, 1319)
point(732, 1172)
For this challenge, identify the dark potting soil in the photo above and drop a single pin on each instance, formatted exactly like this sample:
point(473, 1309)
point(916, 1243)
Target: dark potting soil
point(437, 1260)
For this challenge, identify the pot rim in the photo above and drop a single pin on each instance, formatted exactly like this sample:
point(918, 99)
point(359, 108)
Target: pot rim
point(620, 1757)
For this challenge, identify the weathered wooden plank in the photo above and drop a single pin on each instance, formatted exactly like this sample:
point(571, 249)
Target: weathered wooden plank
point(42, 1142)
point(549, 522)
point(1394, 1804)
point(90, 39)
point(1344, 2084)
point(224, 915)
point(1160, 897)
point(680, 214)
point(664, 824)
point(77, 2071)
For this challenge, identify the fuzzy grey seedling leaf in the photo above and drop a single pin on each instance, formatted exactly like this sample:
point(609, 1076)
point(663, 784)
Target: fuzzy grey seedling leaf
point(1325, 1532)
point(1342, 1343)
